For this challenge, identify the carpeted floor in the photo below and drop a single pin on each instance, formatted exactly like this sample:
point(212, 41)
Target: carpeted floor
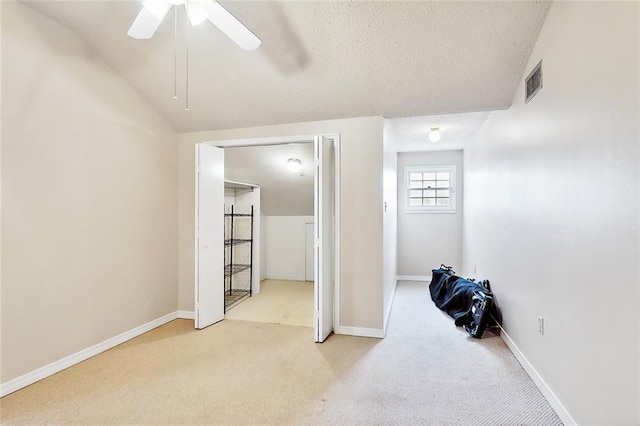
point(279, 302)
point(426, 371)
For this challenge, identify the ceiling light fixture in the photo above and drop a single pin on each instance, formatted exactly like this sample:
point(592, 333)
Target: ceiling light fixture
point(196, 13)
point(294, 165)
point(157, 9)
point(434, 134)
point(153, 13)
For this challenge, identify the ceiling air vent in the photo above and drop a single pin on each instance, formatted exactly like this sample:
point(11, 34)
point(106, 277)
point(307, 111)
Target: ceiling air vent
point(533, 82)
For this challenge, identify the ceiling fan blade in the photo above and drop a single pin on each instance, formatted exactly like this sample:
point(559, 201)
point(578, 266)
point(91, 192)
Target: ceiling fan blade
point(228, 24)
point(147, 22)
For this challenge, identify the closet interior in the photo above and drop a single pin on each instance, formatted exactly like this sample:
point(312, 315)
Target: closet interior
point(269, 234)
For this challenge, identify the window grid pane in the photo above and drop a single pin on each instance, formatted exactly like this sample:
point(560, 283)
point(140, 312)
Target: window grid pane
point(431, 188)
point(436, 189)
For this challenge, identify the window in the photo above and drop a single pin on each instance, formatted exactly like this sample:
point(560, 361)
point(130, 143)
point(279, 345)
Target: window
point(430, 189)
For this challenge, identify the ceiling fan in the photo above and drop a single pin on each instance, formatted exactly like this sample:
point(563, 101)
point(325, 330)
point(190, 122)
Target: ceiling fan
point(154, 11)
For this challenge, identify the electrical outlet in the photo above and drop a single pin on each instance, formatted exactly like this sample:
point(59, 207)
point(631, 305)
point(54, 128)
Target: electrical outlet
point(541, 325)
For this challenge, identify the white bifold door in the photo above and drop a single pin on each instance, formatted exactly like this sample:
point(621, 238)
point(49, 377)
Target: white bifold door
point(209, 241)
point(324, 231)
point(209, 253)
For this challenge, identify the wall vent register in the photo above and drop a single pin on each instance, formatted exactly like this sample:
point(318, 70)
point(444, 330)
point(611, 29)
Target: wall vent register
point(533, 82)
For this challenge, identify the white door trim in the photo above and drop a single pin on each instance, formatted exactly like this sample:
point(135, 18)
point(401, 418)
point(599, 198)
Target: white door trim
point(277, 140)
point(336, 228)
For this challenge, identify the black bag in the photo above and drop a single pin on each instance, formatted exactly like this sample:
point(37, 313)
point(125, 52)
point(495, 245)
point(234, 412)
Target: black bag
point(468, 302)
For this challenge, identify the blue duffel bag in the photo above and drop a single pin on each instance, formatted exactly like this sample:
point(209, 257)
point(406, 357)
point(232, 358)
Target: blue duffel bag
point(468, 302)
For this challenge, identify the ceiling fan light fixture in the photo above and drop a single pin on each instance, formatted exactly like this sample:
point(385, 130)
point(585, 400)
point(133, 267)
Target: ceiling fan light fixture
point(196, 13)
point(434, 134)
point(154, 11)
point(294, 165)
point(158, 8)
point(228, 24)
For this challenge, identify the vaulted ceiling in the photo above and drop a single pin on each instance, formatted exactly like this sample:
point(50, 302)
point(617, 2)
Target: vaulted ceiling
point(318, 59)
point(419, 63)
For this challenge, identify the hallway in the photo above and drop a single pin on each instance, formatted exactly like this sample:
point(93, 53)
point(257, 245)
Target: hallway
point(427, 371)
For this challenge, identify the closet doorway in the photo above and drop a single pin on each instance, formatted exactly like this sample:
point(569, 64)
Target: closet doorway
point(284, 207)
point(283, 222)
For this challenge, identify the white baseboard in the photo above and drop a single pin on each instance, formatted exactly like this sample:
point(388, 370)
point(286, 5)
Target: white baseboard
point(388, 313)
point(426, 278)
point(66, 362)
point(186, 315)
point(555, 403)
point(360, 332)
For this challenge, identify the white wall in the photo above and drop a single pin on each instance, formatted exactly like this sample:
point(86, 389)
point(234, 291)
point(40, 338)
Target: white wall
point(361, 211)
point(229, 199)
point(425, 240)
point(285, 250)
point(552, 209)
point(89, 187)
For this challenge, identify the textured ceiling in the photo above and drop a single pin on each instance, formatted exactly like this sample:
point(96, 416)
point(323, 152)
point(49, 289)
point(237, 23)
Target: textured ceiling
point(412, 133)
point(319, 60)
point(283, 193)
point(291, 194)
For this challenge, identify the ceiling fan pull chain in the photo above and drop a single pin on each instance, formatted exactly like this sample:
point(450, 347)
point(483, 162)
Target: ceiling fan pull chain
point(175, 52)
point(186, 96)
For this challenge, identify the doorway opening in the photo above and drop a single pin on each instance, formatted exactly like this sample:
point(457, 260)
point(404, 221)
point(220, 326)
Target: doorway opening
point(285, 207)
point(210, 238)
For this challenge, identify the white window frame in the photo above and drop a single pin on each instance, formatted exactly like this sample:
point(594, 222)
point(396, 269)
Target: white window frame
point(451, 208)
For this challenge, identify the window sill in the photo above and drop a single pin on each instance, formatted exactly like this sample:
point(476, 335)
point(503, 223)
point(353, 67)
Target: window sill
point(430, 211)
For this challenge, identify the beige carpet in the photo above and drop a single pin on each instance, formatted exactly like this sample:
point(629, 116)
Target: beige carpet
point(236, 372)
point(279, 302)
